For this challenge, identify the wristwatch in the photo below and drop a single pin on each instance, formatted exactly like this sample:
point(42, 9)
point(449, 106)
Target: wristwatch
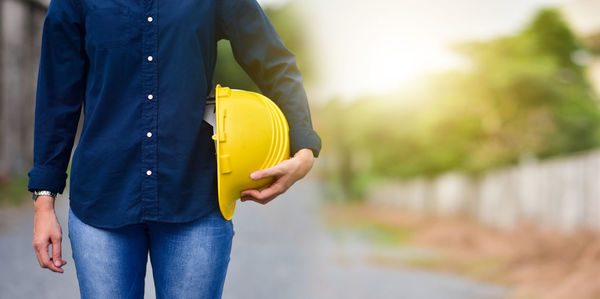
point(37, 193)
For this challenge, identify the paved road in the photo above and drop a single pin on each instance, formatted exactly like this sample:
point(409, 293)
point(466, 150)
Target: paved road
point(280, 251)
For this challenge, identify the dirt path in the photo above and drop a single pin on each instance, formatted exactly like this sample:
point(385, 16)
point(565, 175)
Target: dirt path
point(280, 251)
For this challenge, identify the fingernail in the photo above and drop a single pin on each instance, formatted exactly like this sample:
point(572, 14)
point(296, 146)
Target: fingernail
point(253, 176)
point(57, 263)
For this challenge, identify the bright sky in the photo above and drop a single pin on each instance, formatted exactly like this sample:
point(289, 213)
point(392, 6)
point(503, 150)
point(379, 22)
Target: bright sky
point(366, 47)
point(377, 46)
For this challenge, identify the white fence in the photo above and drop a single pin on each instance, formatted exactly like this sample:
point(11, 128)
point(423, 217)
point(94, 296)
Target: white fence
point(561, 194)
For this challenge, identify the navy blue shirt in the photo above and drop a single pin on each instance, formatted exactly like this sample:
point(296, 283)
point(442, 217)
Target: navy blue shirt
point(141, 72)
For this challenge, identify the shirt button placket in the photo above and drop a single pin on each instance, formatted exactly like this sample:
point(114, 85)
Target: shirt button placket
point(150, 111)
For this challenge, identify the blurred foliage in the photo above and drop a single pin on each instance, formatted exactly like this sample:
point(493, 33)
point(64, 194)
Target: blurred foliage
point(521, 94)
point(13, 191)
point(287, 22)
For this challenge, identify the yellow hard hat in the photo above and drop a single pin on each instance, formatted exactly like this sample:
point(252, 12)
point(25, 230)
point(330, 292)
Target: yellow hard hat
point(251, 134)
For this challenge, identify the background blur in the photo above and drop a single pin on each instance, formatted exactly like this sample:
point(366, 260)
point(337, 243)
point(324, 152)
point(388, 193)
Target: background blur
point(460, 154)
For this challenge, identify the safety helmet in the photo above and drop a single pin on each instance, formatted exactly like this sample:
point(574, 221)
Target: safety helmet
point(251, 133)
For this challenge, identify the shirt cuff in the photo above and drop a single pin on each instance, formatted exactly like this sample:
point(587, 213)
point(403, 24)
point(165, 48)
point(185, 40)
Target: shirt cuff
point(47, 178)
point(304, 138)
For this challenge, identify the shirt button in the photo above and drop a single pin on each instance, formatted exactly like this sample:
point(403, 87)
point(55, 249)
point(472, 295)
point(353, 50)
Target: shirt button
point(150, 97)
point(149, 134)
point(149, 58)
point(149, 19)
point(149, 172)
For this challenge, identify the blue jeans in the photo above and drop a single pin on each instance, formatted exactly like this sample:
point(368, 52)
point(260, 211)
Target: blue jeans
point(189, 260)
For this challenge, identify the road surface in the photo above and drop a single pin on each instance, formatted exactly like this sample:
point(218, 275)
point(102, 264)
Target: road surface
point(280, 251)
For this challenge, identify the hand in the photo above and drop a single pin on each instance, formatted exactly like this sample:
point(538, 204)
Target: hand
point(286, 174)
point(46, 231)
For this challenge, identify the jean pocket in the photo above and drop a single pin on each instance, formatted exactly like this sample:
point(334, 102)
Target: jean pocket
point(108, 27)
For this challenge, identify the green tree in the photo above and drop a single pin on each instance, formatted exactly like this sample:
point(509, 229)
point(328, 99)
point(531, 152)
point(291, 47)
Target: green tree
point(521, 94)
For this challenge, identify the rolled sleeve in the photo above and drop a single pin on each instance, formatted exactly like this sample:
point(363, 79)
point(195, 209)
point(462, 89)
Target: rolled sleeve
point(59, 95)
point(259, 50)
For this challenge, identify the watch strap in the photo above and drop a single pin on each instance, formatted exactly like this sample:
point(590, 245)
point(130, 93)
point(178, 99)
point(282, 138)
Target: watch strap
point(37, 193)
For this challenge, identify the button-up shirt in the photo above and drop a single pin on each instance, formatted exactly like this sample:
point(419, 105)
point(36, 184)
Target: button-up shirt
point(141, 71)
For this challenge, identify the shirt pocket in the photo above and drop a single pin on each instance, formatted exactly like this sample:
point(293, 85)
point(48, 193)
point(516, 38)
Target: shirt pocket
point(108, 27)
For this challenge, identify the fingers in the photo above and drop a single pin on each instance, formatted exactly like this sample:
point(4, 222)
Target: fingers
point(41, 251)
point(263, 196)
point(262, 201)
point(276, 171)
point(284, 174)
point(47, 232)
point(38, 255)
point(249, 193)
point(56, 252)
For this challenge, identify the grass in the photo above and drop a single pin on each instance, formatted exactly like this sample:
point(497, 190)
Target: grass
point(484, 268)
point(375, 232)
point(13, 192)
point(348, 218)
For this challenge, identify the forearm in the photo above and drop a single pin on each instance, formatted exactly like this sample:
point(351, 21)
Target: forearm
point(260, 51)
point(306, 158)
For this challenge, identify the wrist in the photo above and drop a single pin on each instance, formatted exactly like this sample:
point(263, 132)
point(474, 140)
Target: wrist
point(304, 153)
point(305, 156)
point(44, 203)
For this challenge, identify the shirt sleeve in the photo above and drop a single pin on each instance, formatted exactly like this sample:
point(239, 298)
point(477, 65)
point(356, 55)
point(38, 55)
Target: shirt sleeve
point(258, 49)
point(59, 95)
